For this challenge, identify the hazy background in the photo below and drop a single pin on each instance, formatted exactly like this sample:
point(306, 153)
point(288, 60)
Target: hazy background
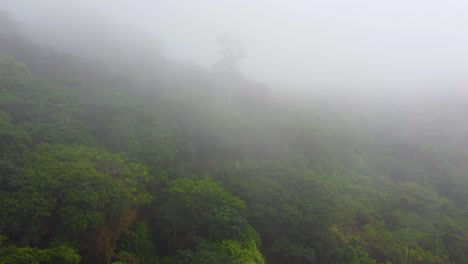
point(374, 47)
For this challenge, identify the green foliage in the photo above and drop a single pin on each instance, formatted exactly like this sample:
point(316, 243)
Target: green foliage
point(226, 251)
point(201, 208)
point(137, 241)
point(28, 255)
point(11, 69)
point(277, 197)
point(65, 193)
point(13, 140)
point(158, 165)
point(127, 124)
point(207, 224)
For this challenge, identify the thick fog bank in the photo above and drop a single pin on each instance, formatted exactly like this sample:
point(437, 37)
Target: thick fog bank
point(394, 50)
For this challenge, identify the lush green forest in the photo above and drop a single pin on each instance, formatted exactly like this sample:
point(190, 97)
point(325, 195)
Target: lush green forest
point(167, 162)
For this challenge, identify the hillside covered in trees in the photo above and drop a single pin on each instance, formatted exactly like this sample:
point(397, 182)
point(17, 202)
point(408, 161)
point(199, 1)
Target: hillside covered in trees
point(167, 162)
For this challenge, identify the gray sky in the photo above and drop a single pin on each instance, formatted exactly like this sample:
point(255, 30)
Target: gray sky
point(366, 45)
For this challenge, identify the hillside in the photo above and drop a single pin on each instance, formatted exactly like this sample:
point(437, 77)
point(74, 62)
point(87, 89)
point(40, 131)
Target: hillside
point(167, 162)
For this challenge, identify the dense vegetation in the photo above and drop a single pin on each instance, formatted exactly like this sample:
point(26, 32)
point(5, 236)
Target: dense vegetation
point(172, 163)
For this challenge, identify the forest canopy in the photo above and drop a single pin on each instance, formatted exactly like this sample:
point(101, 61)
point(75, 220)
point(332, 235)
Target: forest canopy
point(172, 163)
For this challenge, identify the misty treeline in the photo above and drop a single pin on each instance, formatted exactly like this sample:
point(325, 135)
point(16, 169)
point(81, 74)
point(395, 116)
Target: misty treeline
point(160, 161)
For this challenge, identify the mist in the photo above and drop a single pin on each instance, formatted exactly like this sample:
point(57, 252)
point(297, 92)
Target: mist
point(376, 48)
point(233, 131)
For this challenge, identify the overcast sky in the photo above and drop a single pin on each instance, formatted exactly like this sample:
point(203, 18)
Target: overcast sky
point(360, 44)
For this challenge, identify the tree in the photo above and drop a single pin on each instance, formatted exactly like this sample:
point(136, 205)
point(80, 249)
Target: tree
point(72, 194)
point(231, 52)
point(196, 212)
point(28, 255)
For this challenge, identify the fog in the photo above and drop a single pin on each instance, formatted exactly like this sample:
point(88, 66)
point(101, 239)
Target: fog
point(409, 48)
point(242, 131)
